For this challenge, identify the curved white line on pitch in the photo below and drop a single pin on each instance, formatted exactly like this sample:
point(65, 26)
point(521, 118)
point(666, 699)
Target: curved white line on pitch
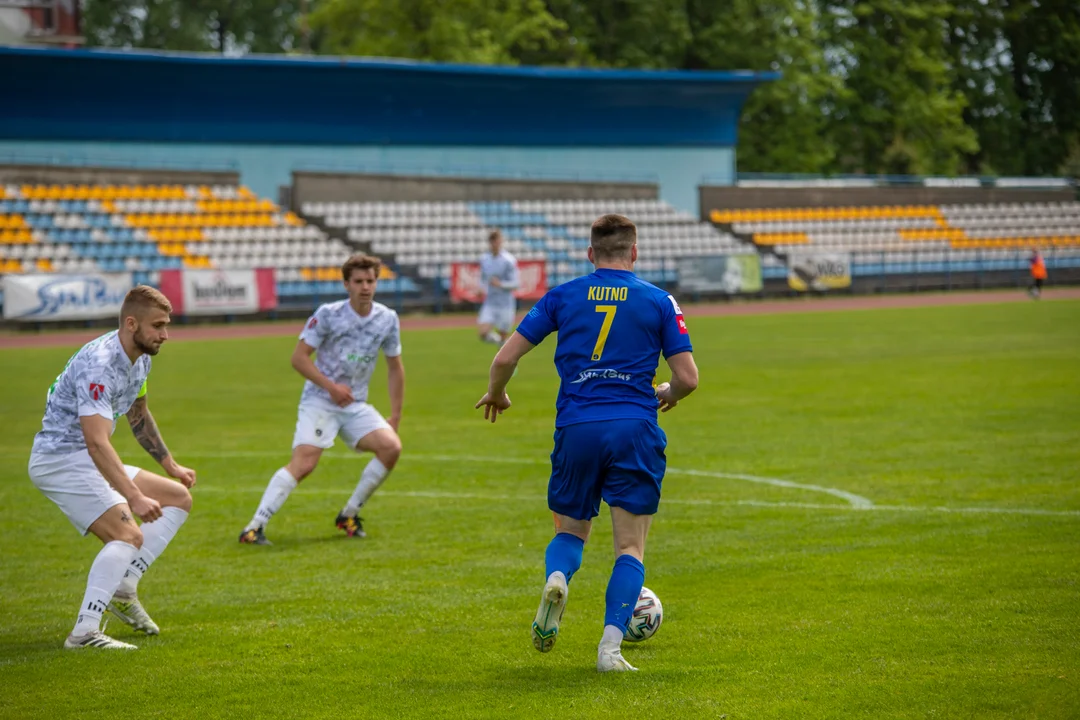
point(856, 501)
point(496, 497)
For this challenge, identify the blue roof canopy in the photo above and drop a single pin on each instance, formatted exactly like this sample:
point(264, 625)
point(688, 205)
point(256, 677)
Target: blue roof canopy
point(54, 94)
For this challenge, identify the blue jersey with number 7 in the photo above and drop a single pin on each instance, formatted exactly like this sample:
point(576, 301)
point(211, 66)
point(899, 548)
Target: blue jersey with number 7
point(612, 328)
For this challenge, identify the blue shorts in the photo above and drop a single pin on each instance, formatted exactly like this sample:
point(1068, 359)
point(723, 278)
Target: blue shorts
point(621, 461)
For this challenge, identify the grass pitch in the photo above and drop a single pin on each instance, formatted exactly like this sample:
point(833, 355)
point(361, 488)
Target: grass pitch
point(956, 595)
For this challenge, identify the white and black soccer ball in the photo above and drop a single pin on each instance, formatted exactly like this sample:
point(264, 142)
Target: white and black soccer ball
point(648, 614)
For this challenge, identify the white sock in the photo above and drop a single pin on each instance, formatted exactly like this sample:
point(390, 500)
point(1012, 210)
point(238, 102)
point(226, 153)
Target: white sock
point(105, 575)
point(613, 637)
point(493, 337)
point(370, 479)
point(277, 492)
point(156, 537)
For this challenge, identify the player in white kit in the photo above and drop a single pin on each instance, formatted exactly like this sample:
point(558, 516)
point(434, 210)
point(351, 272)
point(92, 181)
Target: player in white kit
point(499, 276)
point(348, 335)
point(75, 465)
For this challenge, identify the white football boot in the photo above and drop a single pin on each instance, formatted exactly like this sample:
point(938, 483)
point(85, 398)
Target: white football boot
point(611, 660)
point(96, 639)
point(132, 612)
point(545, 628)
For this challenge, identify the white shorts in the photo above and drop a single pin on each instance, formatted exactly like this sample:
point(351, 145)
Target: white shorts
point(502, 319)
point(74, 483)
point(318, 424)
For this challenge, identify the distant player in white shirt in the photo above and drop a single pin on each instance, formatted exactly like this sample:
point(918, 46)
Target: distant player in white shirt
point(499, 277)
point(348, 335)
point(74, 464)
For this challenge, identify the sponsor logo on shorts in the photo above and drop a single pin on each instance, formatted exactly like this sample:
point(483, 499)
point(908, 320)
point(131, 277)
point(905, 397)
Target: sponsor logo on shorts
point(606, 373)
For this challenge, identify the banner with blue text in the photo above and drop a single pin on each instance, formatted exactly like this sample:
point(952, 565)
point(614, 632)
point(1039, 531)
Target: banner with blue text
point(43, 298)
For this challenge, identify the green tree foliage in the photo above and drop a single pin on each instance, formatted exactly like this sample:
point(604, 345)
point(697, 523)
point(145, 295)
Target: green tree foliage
point(902, 113)
point(785, 123)
point(875, 86)
point(226, 26)
point(463, 31)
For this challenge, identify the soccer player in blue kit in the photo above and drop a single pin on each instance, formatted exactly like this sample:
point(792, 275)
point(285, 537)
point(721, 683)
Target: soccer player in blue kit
point(612, 328)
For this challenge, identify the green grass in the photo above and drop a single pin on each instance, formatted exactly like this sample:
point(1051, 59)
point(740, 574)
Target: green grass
point(780, 602)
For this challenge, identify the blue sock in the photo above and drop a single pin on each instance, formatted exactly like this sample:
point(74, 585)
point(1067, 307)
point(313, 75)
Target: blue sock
point(623, 589)
point(564, 555)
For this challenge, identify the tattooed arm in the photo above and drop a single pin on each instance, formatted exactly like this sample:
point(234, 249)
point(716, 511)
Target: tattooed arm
point(146, 432)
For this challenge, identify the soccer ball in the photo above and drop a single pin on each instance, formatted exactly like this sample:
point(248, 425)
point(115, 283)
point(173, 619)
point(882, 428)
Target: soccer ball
point(648, 614)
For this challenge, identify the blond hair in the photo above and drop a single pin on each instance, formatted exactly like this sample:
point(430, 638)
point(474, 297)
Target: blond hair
point(141, 298)
point(612, 237)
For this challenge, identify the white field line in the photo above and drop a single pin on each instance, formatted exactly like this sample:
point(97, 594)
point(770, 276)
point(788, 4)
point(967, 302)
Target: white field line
point(854, 502)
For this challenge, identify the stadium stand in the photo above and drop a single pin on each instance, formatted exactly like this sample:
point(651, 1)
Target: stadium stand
point(430, 235)
point(916, 238)
point(148, 228)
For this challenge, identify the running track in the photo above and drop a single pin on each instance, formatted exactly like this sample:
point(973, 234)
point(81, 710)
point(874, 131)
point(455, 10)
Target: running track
point(74, 338)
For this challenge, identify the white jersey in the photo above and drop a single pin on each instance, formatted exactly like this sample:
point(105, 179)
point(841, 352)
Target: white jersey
point(348, 346)
point(97, 380)
point(503, 266)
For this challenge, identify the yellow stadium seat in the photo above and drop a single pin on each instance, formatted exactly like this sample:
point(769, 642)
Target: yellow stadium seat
point(45, 265)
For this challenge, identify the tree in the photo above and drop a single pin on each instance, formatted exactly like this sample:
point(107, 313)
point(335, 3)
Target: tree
point(903, 113)
point(226, 26)
point(461, 31)
point(785, 124)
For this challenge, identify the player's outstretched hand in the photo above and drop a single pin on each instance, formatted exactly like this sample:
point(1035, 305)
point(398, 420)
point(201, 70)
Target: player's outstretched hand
point(494, 405)
point(341, 395)
point(663, 397)
point(145, 508)
point(185, 475)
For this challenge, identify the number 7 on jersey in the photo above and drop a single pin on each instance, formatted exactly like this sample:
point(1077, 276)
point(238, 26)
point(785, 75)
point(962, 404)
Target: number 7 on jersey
point(601, 340)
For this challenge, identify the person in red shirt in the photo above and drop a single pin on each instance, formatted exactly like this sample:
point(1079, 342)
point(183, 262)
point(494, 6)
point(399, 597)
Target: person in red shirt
point(1038, 274)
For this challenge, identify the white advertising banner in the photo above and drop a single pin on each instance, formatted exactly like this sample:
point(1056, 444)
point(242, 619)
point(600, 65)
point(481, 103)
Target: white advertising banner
point(819, 271)
point(37, 298)
point(219, 292)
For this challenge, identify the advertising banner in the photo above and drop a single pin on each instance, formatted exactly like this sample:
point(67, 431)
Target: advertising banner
point(220, 292)
point(729, 274)
point(819, 271)
point(36, 298)
point(465, 281)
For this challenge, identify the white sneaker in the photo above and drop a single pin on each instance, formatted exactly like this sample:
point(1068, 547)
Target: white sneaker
point(96, 639)
point(608, 660)
point(132, 612)
point(545, 628)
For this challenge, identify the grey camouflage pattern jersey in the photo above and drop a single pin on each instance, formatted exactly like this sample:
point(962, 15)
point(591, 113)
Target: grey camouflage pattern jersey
point(98, 380)
point(348, 345)
point(503, 266)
